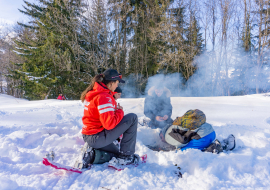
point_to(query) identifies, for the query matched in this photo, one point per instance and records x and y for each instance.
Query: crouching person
(158, 107)
(118, 93)
(192, 131)
(104, 122)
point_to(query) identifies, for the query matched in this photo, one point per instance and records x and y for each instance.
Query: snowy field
(29, 129)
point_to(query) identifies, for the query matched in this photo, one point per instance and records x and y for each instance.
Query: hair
(98, 78)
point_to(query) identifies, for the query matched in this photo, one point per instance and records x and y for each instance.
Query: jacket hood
(97, 89)
(151, 91)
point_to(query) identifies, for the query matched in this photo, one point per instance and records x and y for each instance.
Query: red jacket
(100, 110)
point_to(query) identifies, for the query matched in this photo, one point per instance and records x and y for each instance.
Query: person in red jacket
(104, 121)
(61, 97)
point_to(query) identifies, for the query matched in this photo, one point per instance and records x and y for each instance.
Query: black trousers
(104, 139)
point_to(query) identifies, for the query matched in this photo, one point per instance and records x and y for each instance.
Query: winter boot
(102, 156)
(214, 147)
(86, 158)
(229, 143)
(218, 147)
(91, 156)
(128, 159)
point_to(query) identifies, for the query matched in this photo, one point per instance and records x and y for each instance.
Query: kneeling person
(104, 122)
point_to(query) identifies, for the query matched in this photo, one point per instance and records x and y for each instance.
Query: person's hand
(162, 137)
(165, 117)
(159, 118)
(119, 107)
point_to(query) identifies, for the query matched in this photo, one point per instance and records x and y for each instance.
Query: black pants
(104, 139)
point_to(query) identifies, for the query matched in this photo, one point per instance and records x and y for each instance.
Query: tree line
(218, 47)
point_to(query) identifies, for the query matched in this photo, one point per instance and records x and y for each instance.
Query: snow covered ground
(29, 129)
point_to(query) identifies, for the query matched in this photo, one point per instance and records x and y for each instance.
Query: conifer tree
(54, 54)
(97, 35)
(120, 15)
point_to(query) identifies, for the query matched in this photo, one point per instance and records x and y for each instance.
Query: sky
(9, 13)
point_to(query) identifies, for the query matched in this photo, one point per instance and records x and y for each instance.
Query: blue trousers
(201, 143)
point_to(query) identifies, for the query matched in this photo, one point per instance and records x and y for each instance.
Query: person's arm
(109, 115)
(148, 112)
(167, 110)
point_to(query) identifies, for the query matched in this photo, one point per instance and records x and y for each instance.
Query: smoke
(218, 74)
(137, 86)
(133, 86)
(173, 81)
(233, 73)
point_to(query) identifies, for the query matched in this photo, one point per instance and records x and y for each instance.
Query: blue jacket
(157, 106)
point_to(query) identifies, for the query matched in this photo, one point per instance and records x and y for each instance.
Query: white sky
(9, 13)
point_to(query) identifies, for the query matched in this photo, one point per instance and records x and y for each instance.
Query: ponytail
(98, 78)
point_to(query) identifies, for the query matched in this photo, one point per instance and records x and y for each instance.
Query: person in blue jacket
(158, 107)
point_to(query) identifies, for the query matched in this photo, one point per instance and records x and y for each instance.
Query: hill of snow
(29, 129)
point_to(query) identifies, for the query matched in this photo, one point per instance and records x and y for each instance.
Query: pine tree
(147, 41)
(120, 14)
(97, 25)
(185, 42)
(54, 54)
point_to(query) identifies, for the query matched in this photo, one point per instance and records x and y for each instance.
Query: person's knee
(133, 116)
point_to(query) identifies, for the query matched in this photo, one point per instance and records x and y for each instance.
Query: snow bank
(29, 129)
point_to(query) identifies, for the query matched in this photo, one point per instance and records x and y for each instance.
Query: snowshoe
(49, 161)
(128, 159)
(127, 162)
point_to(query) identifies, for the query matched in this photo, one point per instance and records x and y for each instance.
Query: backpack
(192, 119)
(185, 128)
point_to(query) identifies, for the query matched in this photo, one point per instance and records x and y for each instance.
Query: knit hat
(118, 90)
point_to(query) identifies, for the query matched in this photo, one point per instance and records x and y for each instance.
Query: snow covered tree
(54, 53)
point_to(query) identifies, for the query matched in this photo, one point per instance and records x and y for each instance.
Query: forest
(200, 47)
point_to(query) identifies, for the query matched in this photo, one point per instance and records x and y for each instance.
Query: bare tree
(8, 61)
(263, 38)
(226, 7)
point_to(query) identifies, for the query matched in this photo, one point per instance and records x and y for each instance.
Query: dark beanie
(118, 90)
